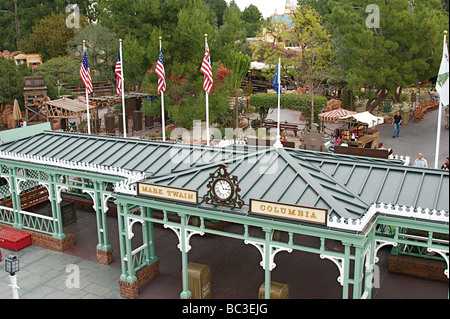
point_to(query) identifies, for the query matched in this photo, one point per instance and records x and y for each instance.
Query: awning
(258, 66)
(365, 117)
(332, 115)
(65, 108)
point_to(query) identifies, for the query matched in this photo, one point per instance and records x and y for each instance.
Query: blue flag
(276, 85)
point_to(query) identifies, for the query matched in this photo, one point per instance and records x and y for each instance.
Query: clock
(223, 189)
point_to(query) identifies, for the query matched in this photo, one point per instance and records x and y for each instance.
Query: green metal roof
(345, 185)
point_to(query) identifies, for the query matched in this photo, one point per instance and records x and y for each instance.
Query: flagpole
(87, 98)
(163, 119)
(123, 91)
(438, 136)
(278, 141)
(207, 104)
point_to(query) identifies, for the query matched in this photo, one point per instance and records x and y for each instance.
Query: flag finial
(120, 40)
(445, 32)
(160, 38)
(206, 35)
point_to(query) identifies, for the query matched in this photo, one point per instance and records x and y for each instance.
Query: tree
(316, 53)
(63, 70)
(49, 37)
(17, 18)
(402, 50)
(239, 64)
(253, 20)
(12, 81)
(101, 47)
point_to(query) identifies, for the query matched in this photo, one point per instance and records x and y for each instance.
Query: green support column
(346, 279)
(358, 273)
(267, 271)
(56, 209)
(15, 197)
(102, 224)
(129, 250)
(147, 234)
(185, 294)
(370, 271)
(122, 235)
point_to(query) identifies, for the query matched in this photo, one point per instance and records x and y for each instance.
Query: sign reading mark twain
(168, 193)
(291, 212)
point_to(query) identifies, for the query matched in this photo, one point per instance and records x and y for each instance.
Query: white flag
(442, 83)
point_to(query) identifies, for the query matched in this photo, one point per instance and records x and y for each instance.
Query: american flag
(207, 71)
(161, 73)
(85, 74)
(118, 73)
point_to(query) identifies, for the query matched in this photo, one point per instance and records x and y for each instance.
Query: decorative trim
(443, 253)
(388, 209)
(340, 263)
(188, 234)
(59, 189)
(130, 225)
(91, 193)
(381, 243)
(274, 250)
(105, 198)
(101, 169)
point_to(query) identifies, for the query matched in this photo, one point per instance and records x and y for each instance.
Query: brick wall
(418, 267)
(46, 241)
(146, 274)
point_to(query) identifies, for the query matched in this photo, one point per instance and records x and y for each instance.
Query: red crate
(14, 239)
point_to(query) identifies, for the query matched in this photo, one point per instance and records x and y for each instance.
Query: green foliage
(406, 48)
(63, 69)
(49, 37)
(101, 47)
(264, 102)
(12, 81)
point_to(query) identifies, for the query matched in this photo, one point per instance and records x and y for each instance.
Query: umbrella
(17, 114)
(331, 116)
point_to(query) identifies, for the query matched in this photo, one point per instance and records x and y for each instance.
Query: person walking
(420, 162)
(398, 119)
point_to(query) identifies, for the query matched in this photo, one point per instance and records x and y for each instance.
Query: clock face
(222, 189)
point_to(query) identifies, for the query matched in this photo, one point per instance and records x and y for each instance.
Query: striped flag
(85, 74)
(118, 73)
(207, 71)
(161, 73)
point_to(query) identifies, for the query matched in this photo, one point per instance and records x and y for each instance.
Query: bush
(264, 102)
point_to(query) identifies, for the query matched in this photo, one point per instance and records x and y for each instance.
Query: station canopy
(346, 186)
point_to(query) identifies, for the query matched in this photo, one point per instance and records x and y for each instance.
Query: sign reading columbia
(168, 193)
(292, 212)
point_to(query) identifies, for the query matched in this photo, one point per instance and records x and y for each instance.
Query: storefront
(362, 203)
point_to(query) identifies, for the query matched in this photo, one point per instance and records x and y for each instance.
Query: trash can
(137, 121)
(199, 281)
(406, 117)
(110, 123)
(149, 121)
(277, 291)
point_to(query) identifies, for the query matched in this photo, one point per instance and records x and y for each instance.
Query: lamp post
(11, 267)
